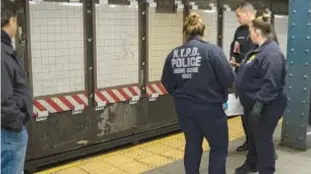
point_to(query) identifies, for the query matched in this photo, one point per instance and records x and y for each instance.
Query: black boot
(242, 148)
(246, 169)
(275, 156)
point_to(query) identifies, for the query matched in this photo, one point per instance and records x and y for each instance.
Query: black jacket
(198, 72)
(262, 75)
(16, 99)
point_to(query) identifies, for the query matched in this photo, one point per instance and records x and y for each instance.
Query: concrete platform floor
(289, 161)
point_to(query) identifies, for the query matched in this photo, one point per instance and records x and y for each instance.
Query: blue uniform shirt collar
(196, 37)
(261, 47)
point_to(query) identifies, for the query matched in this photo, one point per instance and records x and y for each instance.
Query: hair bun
(194, 19)
(264, 15)
(264, 18)
(193, 25)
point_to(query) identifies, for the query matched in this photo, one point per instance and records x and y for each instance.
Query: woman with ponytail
(197, 75)
(265, 15)
(260, 85)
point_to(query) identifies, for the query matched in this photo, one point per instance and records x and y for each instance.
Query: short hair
(193, 25)
(8, 10)
(246, 6)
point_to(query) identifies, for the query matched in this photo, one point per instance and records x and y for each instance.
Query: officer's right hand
(234, 63)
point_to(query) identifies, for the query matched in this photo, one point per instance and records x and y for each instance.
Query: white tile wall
(117, 45)
(165, 33)
(57, 47)
(210, 20)
(281, 27)
(230, 24)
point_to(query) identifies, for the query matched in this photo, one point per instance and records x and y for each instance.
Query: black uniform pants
(261, 147)
(209, 123)
(244, 118)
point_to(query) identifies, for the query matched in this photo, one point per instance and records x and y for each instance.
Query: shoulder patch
(252, 58)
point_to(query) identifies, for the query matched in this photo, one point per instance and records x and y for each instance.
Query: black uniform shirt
(241, 43)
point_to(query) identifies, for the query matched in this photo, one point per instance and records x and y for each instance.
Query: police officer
(197, 75)
(260, 86)
(240, 46)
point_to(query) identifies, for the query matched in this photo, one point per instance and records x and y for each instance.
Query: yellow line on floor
(139, 158)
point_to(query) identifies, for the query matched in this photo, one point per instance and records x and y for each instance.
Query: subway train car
(94, 68)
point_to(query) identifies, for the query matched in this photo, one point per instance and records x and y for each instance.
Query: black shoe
(275, 156)
(245, 169)
(242, 148)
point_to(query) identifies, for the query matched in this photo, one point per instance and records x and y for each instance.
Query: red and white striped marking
(59, 104)
(117, 95)
(156, 88)
(67, 103)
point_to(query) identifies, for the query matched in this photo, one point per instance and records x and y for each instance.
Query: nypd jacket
(262, 75)
(197, 72)
(16, 100)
